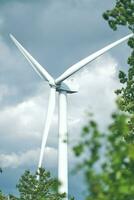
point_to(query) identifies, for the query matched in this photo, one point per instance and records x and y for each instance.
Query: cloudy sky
(58, 34)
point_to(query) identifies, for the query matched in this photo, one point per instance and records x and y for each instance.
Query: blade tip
(11, 36)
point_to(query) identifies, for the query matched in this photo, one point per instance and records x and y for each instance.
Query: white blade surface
(50, 111)
(36, 66)
(88, 59)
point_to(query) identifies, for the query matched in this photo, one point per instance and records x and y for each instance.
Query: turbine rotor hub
(70, 86)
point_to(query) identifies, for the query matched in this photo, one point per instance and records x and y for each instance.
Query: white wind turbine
(63, 88)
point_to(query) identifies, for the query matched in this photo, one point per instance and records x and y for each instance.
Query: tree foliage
(44, 188)
(108, 164)
(2, 196)
(32, 188)
(107, 159)
(123, 14)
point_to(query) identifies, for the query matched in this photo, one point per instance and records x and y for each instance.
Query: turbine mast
(63, 144)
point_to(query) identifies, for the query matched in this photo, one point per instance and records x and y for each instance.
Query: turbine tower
(63, 88)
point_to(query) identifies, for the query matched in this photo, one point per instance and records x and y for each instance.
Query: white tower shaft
(63, 150)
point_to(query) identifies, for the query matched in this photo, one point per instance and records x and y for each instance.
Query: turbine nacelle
(69, 86)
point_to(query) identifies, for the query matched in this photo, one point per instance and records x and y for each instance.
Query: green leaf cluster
(38, 186)
(107, 160)
(2, 196)
(123, 14)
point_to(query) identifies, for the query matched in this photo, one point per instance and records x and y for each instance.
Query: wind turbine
(63, 88)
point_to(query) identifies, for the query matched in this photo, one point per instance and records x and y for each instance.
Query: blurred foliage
(107, 160)
(2, 196)
(123, 15)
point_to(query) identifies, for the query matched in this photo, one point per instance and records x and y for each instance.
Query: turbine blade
(36, 66)
(88, 59)
(50, 111)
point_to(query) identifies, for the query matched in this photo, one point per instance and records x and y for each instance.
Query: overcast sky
(58, 34)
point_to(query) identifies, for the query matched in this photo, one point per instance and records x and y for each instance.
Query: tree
(2, 196)
(31, 188)
(123, 14)
(108, 158)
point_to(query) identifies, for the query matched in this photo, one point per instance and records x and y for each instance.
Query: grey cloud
(62, 31)
(57, 33)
